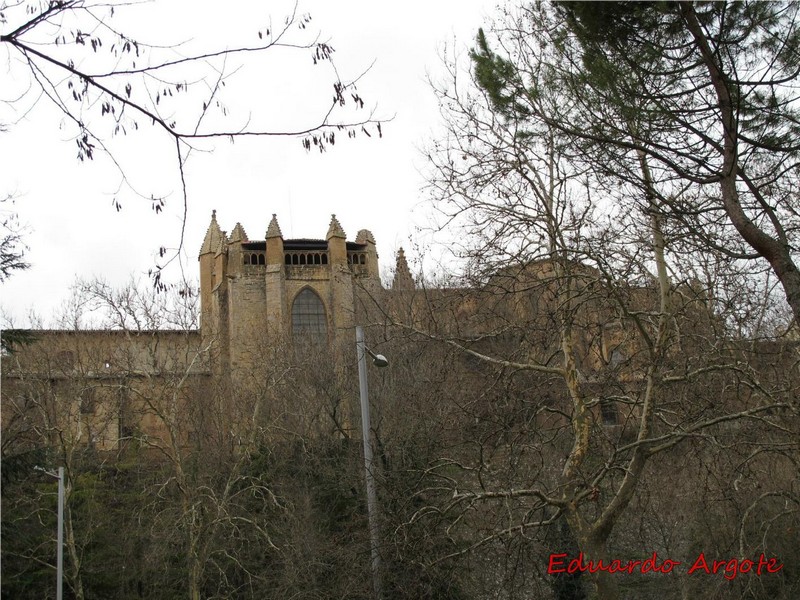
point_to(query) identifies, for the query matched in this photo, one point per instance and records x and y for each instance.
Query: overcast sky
(73, 230)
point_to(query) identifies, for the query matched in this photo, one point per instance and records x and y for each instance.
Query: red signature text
(728, 568)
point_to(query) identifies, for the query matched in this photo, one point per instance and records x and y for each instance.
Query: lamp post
(60, 549)
(372, 502)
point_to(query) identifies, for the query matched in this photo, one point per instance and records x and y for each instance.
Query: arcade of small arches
(356, 258)
(254, 258)
(304, 258)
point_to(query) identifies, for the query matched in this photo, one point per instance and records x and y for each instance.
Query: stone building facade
(274, 304)
(257, 295)
(259, 299)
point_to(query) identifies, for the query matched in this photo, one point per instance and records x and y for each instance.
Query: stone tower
(260, 296)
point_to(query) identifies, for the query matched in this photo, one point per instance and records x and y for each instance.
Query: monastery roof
(262, 245)
(304, 241)
(125, 332)
(300, 244)
(215, 239)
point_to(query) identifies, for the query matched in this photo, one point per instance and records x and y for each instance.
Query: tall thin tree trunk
(776, 250)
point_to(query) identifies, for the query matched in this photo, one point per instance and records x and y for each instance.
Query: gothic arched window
(308, 316)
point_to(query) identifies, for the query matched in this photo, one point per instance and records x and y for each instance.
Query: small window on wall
(308, 317)
(608, 410)
(88, 401)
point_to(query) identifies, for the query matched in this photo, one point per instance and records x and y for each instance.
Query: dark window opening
(306, 258)
(608, 410)
(88, 403)
(356, 258)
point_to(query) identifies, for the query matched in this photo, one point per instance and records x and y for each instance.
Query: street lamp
(60, 550)
(372, 502)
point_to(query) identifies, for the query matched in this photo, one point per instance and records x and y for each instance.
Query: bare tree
(12, 258)
(585, 301)
(246, 489)
(12, 250)
(711, 88)
(78, 56)
(58, 408)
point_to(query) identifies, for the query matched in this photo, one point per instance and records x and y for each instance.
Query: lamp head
(379, 360)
